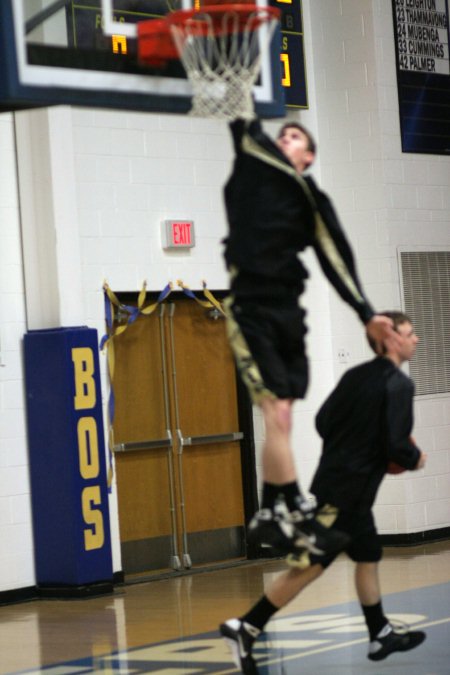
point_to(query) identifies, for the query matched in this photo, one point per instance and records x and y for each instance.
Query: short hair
(398, 318)
(312, 145)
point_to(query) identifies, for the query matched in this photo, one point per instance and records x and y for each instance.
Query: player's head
(296, 142)
(403, 350)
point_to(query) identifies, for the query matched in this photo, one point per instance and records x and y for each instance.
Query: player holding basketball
(274, 213)
(365, 423)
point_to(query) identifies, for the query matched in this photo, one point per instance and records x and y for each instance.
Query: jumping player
(365, 423)
(274, 213)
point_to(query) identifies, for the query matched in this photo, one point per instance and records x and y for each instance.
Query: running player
(365, 423)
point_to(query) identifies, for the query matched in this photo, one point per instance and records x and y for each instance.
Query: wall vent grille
(426, 293)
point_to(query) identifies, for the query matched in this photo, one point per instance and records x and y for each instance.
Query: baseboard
(61, 592)
(18, 595)
(416, 538)
(70, 592)
(118, 578)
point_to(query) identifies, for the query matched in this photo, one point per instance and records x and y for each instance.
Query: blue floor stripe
(329, 640)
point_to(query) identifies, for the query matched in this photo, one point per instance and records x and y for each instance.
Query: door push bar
(210, 438)
(145, 445)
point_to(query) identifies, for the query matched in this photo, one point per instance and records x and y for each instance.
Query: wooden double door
(178, 442)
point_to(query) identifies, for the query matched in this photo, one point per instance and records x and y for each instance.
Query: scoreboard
(423, 74)
(85, 31)
(293, 68)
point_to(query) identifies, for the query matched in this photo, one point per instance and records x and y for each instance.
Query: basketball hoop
(155, 44)
(220, 47)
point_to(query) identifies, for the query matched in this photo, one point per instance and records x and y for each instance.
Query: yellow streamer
(207, 304)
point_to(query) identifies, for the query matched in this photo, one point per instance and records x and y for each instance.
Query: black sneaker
(394, 638)
(273, 528)
(312, 535)
(240, 637)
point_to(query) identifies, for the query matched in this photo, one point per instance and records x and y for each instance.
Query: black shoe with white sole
(294, 531)
(312, 536)
(317, 539)
(240, 637)
(394, 638)
(273, 527)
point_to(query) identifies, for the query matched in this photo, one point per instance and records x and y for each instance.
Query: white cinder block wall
(16, 550)
(387, 200)
(125, 172)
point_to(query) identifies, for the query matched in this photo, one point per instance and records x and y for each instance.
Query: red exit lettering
(181, 234)
(177, 233)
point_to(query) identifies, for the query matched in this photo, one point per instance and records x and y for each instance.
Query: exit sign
(178, 234)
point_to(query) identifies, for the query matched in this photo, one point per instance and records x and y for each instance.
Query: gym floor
(169, 625)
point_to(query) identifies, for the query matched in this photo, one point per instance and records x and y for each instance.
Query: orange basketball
(394, 468)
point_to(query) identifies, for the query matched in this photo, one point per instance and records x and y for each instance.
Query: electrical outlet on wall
(343, 356)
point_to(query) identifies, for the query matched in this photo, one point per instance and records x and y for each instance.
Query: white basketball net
(223, 68)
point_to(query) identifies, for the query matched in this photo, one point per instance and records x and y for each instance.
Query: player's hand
(381, 329)
(421, 461)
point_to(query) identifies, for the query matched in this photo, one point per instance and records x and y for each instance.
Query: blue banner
(67, 457)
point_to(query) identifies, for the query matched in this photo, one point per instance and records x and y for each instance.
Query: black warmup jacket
(273, 214)
(365, 422)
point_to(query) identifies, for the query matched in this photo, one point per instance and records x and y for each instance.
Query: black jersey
(273, 215)
(365, 422)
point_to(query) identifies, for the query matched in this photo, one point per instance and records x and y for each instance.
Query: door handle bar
(209, 438)
(145, 445)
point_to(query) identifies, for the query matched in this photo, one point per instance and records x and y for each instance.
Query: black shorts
(267, 339)
(365, 544)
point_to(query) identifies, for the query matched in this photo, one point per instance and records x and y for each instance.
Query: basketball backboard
(72, 52)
